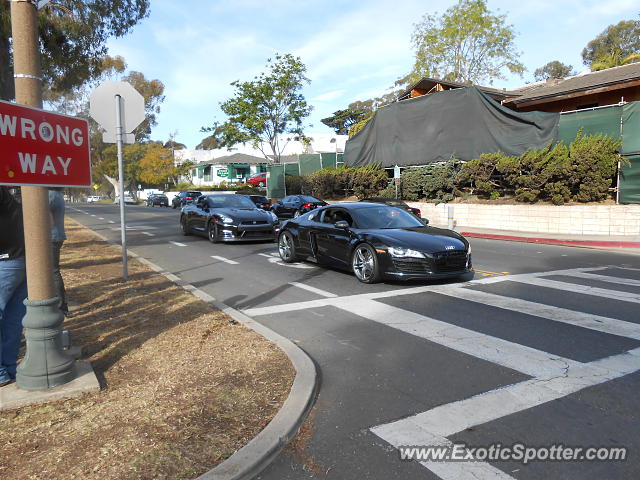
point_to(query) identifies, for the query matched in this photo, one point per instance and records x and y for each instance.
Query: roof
(235, 158)
(427, 83)
(585, 81)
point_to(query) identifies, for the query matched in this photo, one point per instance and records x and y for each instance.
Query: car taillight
(417, 211)
(187, 198)
(308, 205)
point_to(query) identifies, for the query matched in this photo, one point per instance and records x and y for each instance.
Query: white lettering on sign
(43, 131)
(29, 163)
(28, 126)
(7, 122)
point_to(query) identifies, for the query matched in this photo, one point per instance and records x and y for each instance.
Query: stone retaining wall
(574, 219)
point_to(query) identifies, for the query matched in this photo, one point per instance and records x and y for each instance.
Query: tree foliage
(267, 107)
(342, 120)
(73, 35)
(554, 69)
(617, 45)
(466, 44)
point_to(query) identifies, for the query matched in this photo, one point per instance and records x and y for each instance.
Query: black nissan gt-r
(376, 242)
(228, 218)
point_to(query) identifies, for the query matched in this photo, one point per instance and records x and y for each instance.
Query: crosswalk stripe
(605, 278)
(576, 288)
(496, 350)
(431, 427)
(177, 244)
(557, 314)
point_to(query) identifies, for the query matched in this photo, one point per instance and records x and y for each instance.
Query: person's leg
(13, 291)
(57, 277)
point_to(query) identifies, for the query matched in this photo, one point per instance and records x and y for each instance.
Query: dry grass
(182, 387)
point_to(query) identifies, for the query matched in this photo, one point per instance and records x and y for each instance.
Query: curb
(553, 241)
(256, 455)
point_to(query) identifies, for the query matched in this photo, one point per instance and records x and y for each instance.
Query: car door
(288, 205)
(333, 243)
(198, 214)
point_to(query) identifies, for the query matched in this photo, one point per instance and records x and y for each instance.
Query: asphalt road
(540, 348)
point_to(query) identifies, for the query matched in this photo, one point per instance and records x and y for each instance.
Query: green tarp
(275, 180)
(631, 128)
(630, 180)
(309, 163)
(462, 123)
(603, 120)
(328, 160)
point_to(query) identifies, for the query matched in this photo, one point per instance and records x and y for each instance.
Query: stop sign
(102, 109)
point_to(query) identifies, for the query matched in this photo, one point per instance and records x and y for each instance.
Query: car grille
(256, 233)
(442, 262)
(255, 222)
(411, 265)
(450, 261)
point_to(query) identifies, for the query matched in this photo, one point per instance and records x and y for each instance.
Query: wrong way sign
(43, 148)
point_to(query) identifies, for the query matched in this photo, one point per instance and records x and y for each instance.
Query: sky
(353, 50)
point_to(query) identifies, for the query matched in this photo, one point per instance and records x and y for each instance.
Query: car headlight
(225, 219)
(404, 252)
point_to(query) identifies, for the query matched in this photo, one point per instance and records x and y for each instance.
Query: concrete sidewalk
(618, 242)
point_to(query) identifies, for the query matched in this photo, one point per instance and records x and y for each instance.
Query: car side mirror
(425, 221)
(342, 224)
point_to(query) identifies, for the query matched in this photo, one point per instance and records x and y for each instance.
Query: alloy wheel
(364, 264)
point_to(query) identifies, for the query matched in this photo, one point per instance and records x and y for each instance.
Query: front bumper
(247, 233)
(437, 265)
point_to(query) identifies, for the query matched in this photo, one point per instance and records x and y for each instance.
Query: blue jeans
(13, 291)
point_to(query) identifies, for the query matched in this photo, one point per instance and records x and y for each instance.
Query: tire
(183, 224)
(212, 233)
(287, 248)
(364, 264)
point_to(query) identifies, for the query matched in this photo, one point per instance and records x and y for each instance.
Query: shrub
(594, 163)
(367, 181)
(440, 185)
(412, 182)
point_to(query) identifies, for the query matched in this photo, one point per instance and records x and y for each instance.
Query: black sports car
(394, 203)
(295, 205)
(375, 241)
(227, 218)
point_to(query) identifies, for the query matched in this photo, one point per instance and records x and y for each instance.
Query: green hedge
(335, 182)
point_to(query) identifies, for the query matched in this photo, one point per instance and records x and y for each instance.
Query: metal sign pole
(123, 223)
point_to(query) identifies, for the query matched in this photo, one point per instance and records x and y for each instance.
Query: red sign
(43, 148)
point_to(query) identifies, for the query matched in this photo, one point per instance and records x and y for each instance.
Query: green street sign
(223, 172)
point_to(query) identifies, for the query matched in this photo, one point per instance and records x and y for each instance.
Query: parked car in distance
(157, 199)
(394, 203)
(375, 242)
(184, 197)
(258, 179)
(292, 206)
(93, 198)
(260, 201)
(228, 218)
(127, 199)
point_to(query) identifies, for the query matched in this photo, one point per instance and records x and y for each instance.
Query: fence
(306, 164)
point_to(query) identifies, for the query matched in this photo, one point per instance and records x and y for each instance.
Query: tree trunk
(116, 186)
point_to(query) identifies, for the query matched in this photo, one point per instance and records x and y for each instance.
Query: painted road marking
(309, 288)
(575, 288)
(93, 215)
(605, 278)
(225, 260)
(521, 358)
(275, 258)
(431, 427)
(111, 221)
(488, 273)
(100, 218)
(557, 314)
(177, 244)
(149, 234)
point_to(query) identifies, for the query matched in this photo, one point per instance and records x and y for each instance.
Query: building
(612, 86)
(235, 164)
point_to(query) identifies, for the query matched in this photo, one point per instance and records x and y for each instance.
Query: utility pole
(45, 365)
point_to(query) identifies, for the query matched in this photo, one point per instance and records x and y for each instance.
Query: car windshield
(257, 198)
(307, 198)
(384, 217)
(229, 201)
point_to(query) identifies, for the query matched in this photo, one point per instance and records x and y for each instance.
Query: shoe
(5, 381)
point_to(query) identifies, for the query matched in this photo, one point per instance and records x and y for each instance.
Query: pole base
(46, 364)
